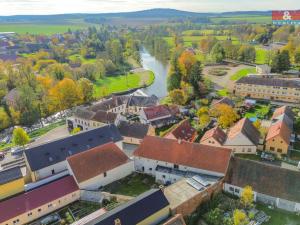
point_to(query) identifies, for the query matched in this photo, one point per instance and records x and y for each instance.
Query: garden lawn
(46, 129)
(242, 73)
(261, 55)
(132, 185)
(279, 217)
(259, 111)
(120, 83)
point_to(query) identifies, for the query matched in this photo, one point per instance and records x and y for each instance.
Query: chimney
(179, 141)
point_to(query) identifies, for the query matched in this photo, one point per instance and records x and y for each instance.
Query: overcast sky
(32, 7)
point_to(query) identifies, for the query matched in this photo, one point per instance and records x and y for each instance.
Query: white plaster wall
(111, 176)
(47, 171)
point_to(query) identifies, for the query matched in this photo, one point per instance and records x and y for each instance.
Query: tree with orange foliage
(186, 61)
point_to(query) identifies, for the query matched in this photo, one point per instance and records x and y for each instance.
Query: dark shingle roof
(135, 130)
(143, 101)
(265, 179)
(10, 175)
(269, 82)
(57, 151)
(136, 210)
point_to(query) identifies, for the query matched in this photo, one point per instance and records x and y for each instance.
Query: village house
(273, 89)
(183, 131)
(86, 119)
(52, 156)
(11, 182)
(242, 138)
(134, 132)
(41, 201)
(214, 137)
(99, 166)
(159, 116)
(151, 207)
(272, 185)
(170, 160)
(279, 134)
(225, 100)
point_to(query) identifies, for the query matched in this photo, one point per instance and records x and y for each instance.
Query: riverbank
(123, 83)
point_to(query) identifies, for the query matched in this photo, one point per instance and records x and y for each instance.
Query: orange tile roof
(245, 127)
(283, 110)
(184, 153)
(217, 133)
(279, 129)
(184, 131)
(96, 161)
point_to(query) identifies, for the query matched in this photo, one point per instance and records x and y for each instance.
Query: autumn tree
(239, 218)
(218, 53)
(177, 96)
(186, 62)
(4, 119)
(247, 196)
(87, 89)
(225, 115)
(65, 94)
(20, 137)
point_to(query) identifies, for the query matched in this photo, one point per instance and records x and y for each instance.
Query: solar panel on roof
(200, 180)
(195, 184)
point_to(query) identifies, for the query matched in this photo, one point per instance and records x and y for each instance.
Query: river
(159, 87)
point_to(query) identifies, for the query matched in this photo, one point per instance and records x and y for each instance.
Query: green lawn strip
(259, 111)
(120, 83)
(242, 73)
(279, 217)
(132, 185)
(83, 60)
(223, 92)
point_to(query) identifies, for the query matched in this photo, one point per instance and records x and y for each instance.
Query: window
(249, 149)
(16, 221)
(50, 205)
(150, 169)
(105, 174)
(39, 210)
(279, 150)
(164, 176)
(53, 171)
(29, 214)
(231, 189)
(176, 166)
(237, 190)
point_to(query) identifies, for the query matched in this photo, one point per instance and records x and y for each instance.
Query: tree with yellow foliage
(247, 196)
(225, 115)
(239, 217)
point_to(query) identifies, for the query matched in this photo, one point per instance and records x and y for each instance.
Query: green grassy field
(46, 29)
(242, 73)
(243, 18)
(120, 83)
(223, 92)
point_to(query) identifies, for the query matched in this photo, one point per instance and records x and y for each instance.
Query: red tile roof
(279, 129)
(184, 131)
(38, 197)
(283, 110)
(217, 133)
(185, 153)
(96, 161)
(157, 112)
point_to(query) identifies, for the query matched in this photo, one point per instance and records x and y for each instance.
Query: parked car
(267, 156)
(16, 150)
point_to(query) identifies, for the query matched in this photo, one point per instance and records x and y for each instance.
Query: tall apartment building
(257, 87)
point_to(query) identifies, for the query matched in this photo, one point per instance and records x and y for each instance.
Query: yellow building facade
(11, 188)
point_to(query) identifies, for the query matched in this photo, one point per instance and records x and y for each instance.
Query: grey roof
(99, 116)
(10, 175)
(135, 130)
(57, 151)
(108, 104)
(264, 178)
(136, 210)
(143, 101)
(84, 113)
(256, 80)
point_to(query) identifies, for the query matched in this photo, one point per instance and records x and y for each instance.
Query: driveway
(221, 82)
(57, 133)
